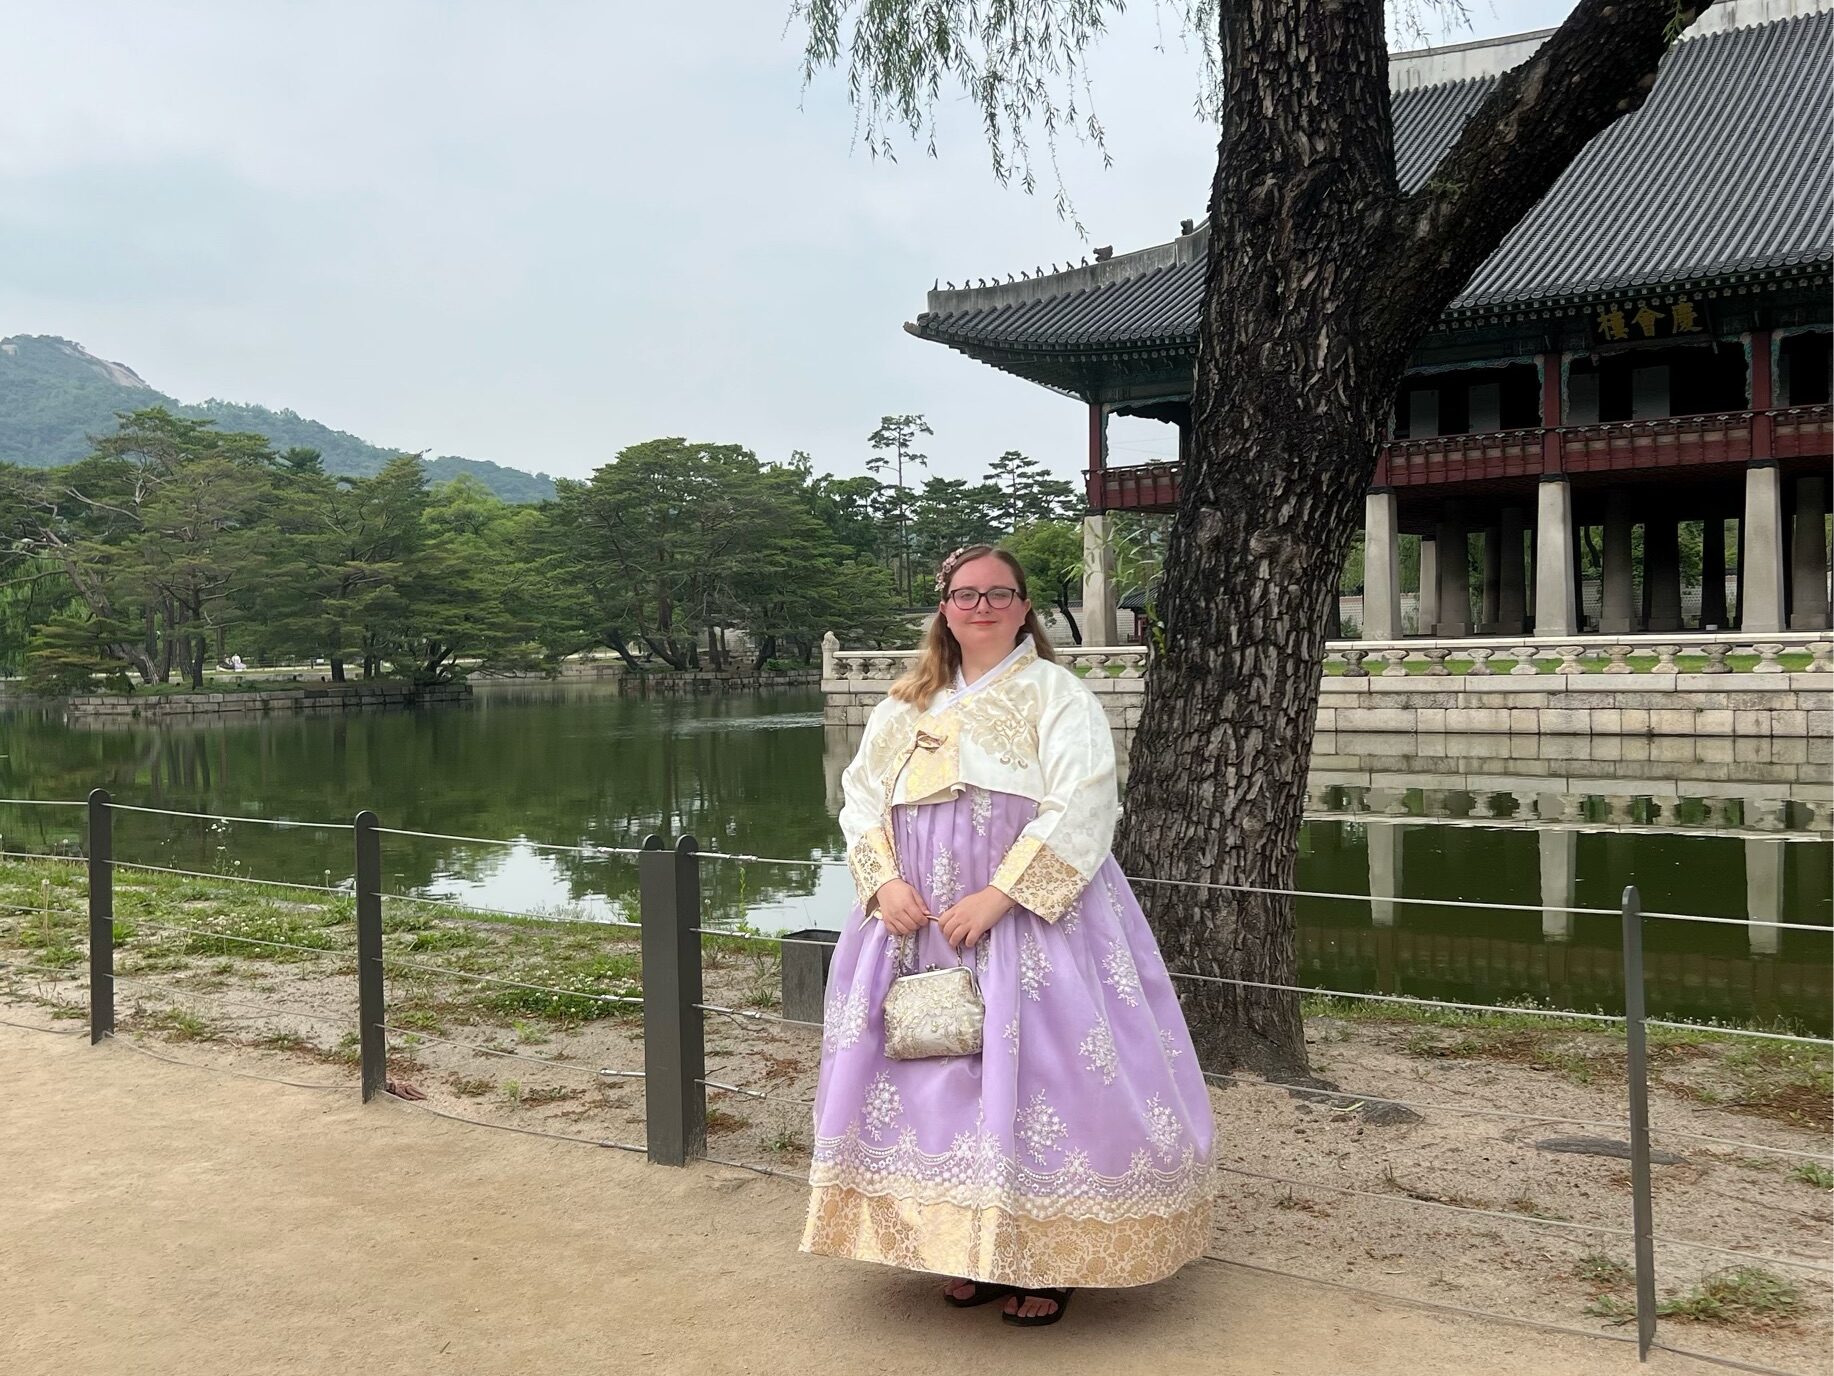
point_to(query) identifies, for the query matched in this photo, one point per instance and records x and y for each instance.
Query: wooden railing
(1612, 446)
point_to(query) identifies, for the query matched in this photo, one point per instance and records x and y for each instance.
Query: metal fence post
(101, 917)
(1637, 1068)
(674, 1040)
(374, 1040)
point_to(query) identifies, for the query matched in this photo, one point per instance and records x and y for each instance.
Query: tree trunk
(337, 668)
(614, 638)
(1063, 606)
(1322, 279)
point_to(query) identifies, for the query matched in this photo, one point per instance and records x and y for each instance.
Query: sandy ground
(160, 1218)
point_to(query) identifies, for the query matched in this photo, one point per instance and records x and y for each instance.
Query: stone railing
(1522, 655)
(1618, 686)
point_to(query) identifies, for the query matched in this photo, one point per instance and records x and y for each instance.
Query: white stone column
(1808, 552)
(1384, 841)
(1617, 610)
(1764, 891)
(1428, 614)
(1381, 568)
(1100, 615)
(1760, 603)
(1556, 590)
(1559, 857)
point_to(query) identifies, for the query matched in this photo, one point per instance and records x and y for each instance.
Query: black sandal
(984, 1292)
(1060, 1297)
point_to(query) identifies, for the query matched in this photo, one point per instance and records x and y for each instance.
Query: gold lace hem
(995, 1245)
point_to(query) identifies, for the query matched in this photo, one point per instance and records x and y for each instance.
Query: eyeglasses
(967, 599)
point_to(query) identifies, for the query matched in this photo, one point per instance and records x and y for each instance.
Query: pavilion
(1651, 346)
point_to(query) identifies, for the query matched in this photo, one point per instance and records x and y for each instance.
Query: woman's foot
(963, 1293)
(1034, 1307)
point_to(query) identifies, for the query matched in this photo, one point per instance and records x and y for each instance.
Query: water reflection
(1556, 824)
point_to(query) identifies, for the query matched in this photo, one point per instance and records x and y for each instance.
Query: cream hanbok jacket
(1027, 727)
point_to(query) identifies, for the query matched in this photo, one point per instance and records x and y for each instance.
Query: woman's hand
(966, 922)
(901, 907)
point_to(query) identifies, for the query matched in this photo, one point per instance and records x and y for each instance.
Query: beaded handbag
(937, 1011)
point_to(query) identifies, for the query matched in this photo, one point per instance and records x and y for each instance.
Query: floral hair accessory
(953, 558)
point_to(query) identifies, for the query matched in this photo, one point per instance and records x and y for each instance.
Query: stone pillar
(1556, 590)
(1760, 602)
(1429, 587)
(1661, 573)
(1617, 595)
(1384, 841)
(1512, 592)
(1454, 574)
(1764, 891)
(1559, 854)
(1492, 609)
(1381, 568)
(1099, 611)
(1808, 607)
(1713, 573)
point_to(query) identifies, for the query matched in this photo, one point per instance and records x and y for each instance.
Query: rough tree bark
(1322, 279)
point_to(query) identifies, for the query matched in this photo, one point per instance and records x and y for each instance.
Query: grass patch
(781, 1143)
(445, 939)
(1747, 1297)
(1811, 1174)
(180, 1024)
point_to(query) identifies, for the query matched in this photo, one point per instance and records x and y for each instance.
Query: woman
(1075, 1148)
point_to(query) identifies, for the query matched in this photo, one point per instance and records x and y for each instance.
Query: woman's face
(983, 626)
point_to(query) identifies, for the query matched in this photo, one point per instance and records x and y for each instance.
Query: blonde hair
(940, 654)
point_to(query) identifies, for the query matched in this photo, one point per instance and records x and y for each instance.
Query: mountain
(55, 394)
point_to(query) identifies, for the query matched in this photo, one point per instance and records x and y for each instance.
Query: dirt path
(157, 1218)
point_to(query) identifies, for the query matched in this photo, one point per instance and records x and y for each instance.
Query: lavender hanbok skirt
(1075, 1149)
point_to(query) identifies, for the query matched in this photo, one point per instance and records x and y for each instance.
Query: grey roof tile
(1723, 171)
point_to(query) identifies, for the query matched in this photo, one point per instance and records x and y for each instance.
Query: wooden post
(373, 1040)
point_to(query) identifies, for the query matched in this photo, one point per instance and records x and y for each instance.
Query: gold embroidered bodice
(1033, 729)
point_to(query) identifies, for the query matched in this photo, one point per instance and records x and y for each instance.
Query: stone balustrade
(1660, 685)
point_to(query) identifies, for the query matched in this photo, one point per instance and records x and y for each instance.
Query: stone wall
(316, 697)
(1797, 706)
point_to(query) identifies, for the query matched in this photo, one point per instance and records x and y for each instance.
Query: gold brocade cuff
(872, 863)
(1034, 876)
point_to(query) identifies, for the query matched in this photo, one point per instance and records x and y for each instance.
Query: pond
(1543, 823)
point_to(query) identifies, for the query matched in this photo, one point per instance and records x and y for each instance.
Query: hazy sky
(538, 230)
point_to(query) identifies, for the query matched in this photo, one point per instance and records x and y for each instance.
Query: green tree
(893, 446)
(1322, 277)
(1028, 492)
(946, 514)
(1051, 553)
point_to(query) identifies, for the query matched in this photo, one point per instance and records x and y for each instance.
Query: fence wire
(511, 841)
(461, 907)
(588, 1071)
(210, 996)
(508, 1127)
(226, 817)
(756, 1093)
(209, 935)
(1397, 1198)
(399, 963)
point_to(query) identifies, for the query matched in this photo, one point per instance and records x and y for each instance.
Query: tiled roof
(1722, 174)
